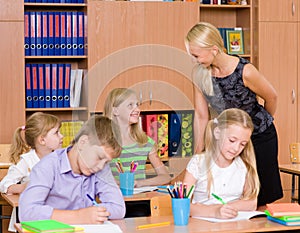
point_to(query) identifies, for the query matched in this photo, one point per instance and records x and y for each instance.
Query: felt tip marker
(218, 198)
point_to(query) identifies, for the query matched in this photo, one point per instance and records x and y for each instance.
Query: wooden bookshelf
(76, 61)
(232, 16)
(162, 80)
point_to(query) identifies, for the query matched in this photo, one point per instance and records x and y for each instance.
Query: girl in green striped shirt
(122, 106)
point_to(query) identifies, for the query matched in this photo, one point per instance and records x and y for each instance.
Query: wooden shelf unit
(279, 53)
(232, 16)
(76, 61)
(131, 44)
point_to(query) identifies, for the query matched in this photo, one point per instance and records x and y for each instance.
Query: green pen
(218, 198)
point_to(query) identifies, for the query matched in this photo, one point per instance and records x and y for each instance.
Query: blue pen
(93, 200)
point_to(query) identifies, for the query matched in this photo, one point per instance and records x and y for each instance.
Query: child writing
(39, 137)
(121, 105)
(60, 182)
(226, 168)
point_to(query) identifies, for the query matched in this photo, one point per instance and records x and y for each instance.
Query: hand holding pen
(94, 215)
(226, 211)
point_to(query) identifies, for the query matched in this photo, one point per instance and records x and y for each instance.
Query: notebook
(107, 227)
(242, 215)
(48, 226)
(144, 189)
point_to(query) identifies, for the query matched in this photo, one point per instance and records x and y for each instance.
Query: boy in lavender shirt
(60, 182)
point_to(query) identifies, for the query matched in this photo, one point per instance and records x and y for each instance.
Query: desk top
(5, 165)
(13, 200)
(290, 168)
(260, 224)
(144, 196)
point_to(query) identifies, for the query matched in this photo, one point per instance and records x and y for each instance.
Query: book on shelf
(28, 86)
(283, 209)
(172, 131)
(48, 85)
(27, 33)
(149, 124)
(41, 92)
(174, 134)
(48, 226)
(162, 135)
(187, 134)
(35, 87)
(69, 129)
(76, 77)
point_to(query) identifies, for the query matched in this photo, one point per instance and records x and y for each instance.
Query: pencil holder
(181, 211)
(126, 183)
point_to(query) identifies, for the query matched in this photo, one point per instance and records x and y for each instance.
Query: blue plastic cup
(181, 211)
(126, 183)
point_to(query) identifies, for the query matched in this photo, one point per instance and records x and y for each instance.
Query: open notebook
(242, 215)
(107, 227)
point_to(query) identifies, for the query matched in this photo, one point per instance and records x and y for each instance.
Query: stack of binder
(284, 213)
(55, 1)
(47, 85)
(55, 33)
(173, 132)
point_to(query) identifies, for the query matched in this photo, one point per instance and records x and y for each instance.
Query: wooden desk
(195, 225)
(159, 203)
(5, 165)
(12, 200)
(293, 169)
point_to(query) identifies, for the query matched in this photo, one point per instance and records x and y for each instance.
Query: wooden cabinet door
(297, 93)
(11, 10)
(132, 44)
(12, 94)
(278, 10)
(278, 42)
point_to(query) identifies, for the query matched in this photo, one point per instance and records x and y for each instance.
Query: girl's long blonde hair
(233, 116)
(204, 35)
(24, 138)
(114, 99)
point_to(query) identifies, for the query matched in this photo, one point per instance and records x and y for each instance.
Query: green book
(48, 225)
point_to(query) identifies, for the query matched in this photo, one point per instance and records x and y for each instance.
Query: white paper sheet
(107, 227)
(242, 215)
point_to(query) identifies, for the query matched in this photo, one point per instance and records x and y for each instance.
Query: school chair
(4, 148)
(295, 158)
